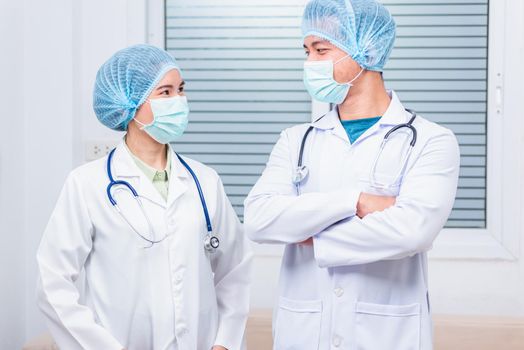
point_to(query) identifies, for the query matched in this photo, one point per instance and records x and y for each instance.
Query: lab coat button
(336, 341)
(339, 292)
(181, 331)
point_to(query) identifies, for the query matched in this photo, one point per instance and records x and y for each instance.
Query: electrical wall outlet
(98, 149)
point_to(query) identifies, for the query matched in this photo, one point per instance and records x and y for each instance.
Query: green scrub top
(160, 179)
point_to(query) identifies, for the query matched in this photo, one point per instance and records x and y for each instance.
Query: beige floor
(451, 333)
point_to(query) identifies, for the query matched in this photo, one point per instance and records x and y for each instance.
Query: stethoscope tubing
(302, 171)
(112, 182)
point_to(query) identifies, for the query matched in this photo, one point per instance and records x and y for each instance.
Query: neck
(146, 148)
(368, 98)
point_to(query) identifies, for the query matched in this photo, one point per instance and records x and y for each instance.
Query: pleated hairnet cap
(124, 82)
(364, 29)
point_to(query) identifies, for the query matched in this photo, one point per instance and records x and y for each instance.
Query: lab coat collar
(394, 115)
(122, 164)
(124, 167)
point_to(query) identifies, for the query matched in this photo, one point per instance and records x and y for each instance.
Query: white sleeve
(274, 213)
(232, 267)
(65, 246)
(424, 203)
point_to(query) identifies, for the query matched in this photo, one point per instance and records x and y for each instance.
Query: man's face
(318, 49)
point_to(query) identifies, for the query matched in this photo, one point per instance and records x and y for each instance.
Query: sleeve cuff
(230, 338)
(349, 198)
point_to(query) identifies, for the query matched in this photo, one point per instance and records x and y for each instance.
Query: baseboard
(451, 332)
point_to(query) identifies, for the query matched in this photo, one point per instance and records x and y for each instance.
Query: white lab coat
(363, 283)
(174, 295)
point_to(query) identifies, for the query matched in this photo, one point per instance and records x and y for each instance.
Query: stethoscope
(211, 242)
(302, 171)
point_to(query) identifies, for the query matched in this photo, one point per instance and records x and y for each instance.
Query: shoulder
(85, 179)
(291, 137)
(428, 131)
(436, 139)
(296, 131)
(90, 172)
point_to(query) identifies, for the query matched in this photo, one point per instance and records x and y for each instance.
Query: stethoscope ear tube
(302, 146)
(301, 171)
(408, 125)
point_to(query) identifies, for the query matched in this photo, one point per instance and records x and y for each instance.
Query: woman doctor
(154, 277)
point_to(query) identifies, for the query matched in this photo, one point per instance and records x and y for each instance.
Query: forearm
(394, 233)
(275, 218)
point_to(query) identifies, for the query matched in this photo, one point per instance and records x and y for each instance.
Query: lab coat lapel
(331, 122)
(178, 179)
(126, 169)
(395, 114)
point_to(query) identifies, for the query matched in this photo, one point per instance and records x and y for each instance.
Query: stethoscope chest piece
(211, 243)
(300, 174)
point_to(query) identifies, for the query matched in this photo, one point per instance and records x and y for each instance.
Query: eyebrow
(315, 43)
(169, 86)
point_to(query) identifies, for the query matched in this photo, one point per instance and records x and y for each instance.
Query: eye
(321, 51)
(181, 89)
(306, 53)
(165, 92)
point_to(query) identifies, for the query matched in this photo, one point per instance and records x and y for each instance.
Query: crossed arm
(349, 227)
(367, 204)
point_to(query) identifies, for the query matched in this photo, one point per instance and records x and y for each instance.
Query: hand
(369, 203)
(308, 241)
(218, 347)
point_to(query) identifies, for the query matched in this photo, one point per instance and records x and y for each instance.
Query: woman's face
(171, 85)
(318, 49)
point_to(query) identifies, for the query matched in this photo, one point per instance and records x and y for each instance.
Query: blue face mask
(321, 84)
(170, 119)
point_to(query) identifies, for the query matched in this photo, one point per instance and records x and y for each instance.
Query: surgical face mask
(321, 84)
(170, 119)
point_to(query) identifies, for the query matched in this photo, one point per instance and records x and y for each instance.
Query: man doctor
(358, 223)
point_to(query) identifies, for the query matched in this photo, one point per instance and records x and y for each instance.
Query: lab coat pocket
(297, 324)
(379, 327)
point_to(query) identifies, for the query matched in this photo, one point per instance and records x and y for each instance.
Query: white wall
(496, 286)
(12, 171)
(65, 42)
(49, 130)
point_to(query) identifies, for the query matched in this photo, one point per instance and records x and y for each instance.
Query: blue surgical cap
(364, 29)
(124, 82)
